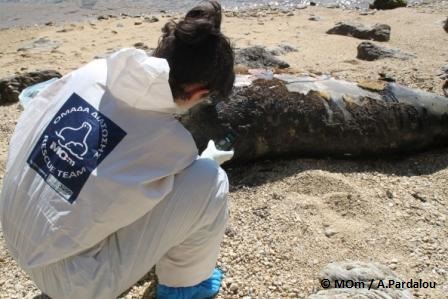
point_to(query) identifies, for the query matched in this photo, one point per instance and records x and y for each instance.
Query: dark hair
(197, 51)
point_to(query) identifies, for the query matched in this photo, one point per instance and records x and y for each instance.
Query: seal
(292, 115)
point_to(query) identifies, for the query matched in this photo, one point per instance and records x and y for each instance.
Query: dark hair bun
(197, 52)
(200, 23)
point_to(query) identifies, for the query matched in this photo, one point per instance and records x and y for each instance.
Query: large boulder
(388, 4)
(378, 32)
(258, 57)
(11, 87)
(369, 51)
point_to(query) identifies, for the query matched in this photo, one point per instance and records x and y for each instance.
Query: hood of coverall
(141, 81)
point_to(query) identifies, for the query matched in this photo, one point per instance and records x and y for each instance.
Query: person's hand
(211, 152)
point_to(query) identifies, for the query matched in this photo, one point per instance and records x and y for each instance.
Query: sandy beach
(393, 212)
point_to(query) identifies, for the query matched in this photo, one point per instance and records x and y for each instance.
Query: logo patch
(74, 143)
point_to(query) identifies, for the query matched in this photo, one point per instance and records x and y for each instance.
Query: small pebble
(234, 287)
(329, 232)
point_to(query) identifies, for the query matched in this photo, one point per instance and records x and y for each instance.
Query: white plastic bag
(30, 92)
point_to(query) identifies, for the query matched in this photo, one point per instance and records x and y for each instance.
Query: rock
(444, 73)
(445, 88)
(99, 18)
(65, 30)
(418, 196)
(230, 232)
(40, 45)
(282, 49)
(387, 77)
(49, 24)
(234, 287)
(378, 32)
(369, 51)
(389, 194)
(105, 54)
(445, 69)
(445, 26)
(141, 45)
(151, 19)
(315, 18)
(258, 57)
(362, 274)
(388, 4)
(11, 87)
(137, 23)
(329, 232)
(262, 212)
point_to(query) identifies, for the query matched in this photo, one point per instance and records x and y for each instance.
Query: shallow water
(29, 12)
(181, 5)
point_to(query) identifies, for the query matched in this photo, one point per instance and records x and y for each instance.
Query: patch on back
(75, 142)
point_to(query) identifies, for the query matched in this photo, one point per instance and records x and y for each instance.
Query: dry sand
(290, 218)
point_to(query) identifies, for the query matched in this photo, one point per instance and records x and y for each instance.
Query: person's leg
(193, 260)
(181, 234)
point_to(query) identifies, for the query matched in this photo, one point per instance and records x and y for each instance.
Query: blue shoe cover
(204, 290)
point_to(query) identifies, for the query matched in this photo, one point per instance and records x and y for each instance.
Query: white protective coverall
(102, 183)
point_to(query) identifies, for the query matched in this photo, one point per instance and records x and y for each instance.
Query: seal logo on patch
(74, 143)
(69, 139)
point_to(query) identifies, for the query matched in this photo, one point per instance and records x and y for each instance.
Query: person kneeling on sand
(102, 182)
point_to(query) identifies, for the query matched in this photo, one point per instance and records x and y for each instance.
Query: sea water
(29, 12)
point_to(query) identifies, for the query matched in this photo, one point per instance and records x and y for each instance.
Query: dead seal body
(292, 115)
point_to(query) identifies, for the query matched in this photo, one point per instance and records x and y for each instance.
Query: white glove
(211, 152)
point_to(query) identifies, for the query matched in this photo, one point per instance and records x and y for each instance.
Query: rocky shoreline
(35, 14)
